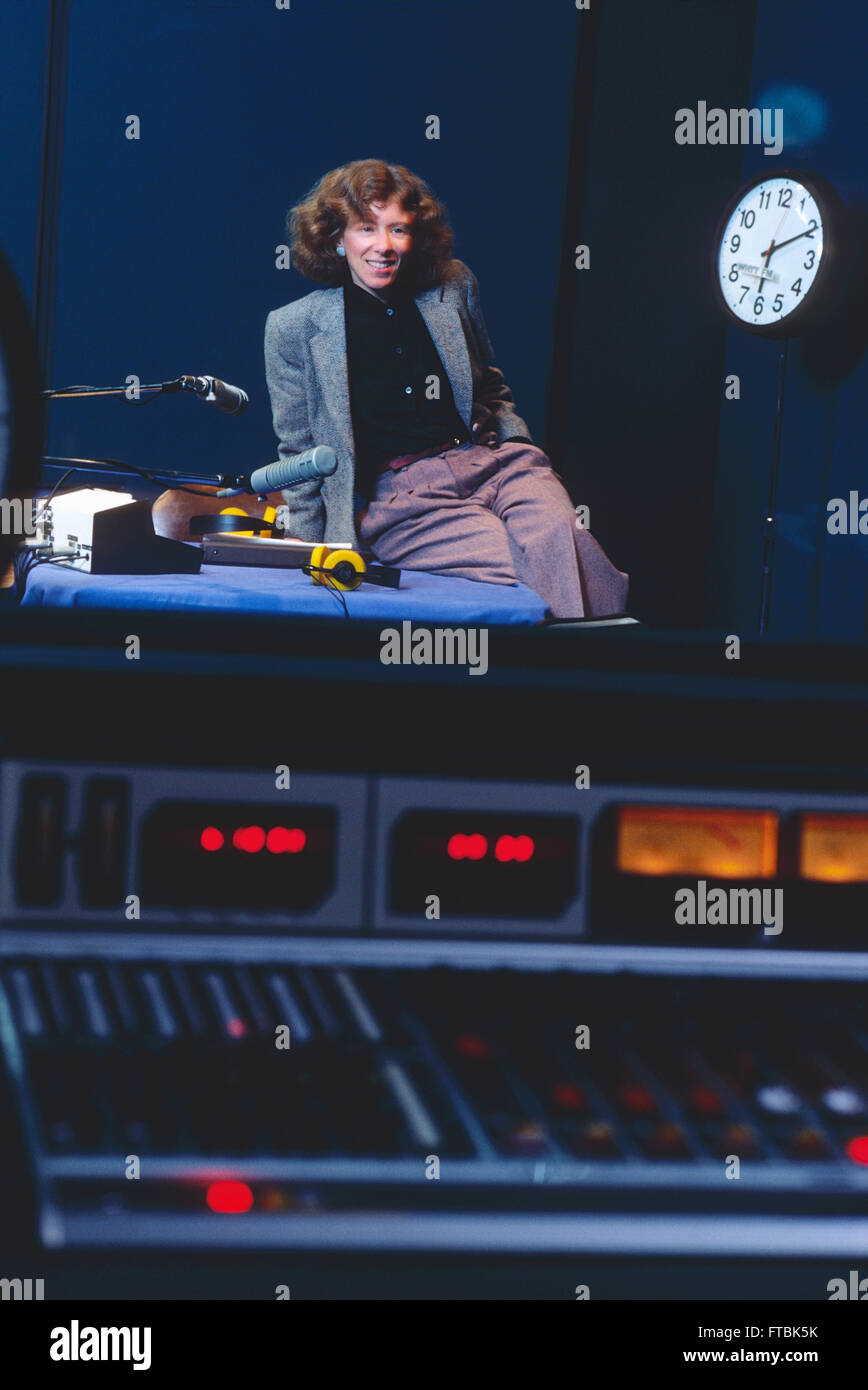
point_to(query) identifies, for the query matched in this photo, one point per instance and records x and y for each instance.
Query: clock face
(770, 253)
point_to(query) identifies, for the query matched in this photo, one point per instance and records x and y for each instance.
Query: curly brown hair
(318, 220)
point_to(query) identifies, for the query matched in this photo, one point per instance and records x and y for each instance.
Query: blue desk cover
(425, 598)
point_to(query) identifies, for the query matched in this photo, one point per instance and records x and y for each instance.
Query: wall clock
(775, 253)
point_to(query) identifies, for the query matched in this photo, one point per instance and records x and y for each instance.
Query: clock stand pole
(770, 520)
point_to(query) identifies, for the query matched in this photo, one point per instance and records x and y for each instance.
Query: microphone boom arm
(170, 476)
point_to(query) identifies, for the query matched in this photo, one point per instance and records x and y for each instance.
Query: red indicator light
(250, 838)
(283, 841)
(211, 838)
(517, 847)
(857, 1149)
(229, 1197)
(706, 1100)
(637, 1099)
(467, 847)
(469, 1045)
(566, 1096)
(236, 1028)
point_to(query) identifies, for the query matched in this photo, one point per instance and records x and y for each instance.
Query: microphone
(231, 400)
(318, 462)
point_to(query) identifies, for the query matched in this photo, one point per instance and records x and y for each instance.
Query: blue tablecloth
(427, 598)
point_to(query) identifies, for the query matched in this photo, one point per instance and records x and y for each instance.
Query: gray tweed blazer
(306, 371)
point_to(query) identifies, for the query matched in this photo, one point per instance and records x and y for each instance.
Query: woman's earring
(340, 250)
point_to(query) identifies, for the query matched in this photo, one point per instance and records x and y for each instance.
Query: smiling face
(377, 247)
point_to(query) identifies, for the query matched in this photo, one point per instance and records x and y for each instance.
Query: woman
(391, 366)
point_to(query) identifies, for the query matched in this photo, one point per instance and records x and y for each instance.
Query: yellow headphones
(339, 569)
(270, 515)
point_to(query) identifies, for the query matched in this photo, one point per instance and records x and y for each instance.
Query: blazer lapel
(444, 325)
(329, 352)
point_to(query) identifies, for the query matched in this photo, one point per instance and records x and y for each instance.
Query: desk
(423, 598)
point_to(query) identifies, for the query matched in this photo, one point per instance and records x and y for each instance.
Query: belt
(403, 459)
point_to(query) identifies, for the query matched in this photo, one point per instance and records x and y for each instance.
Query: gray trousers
(495, 514)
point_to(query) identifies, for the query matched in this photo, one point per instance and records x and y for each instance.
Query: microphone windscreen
(318, 462)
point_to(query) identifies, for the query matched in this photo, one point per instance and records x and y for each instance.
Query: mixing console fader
(462, 1106)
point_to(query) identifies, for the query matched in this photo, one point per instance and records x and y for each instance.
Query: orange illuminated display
(660, 841)
(834, 848)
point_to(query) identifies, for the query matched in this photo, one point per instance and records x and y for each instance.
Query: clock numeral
(809, 263)
(785, 197)
(758, 304)
(765, 199)
(744, 291)
(748, 217)
(734, 241)
(797, 285)
(777, 304)
(733, 274)
(802, 202)
(813, 227)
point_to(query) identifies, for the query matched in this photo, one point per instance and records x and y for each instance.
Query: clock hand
(789, 239)
(767, 255)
